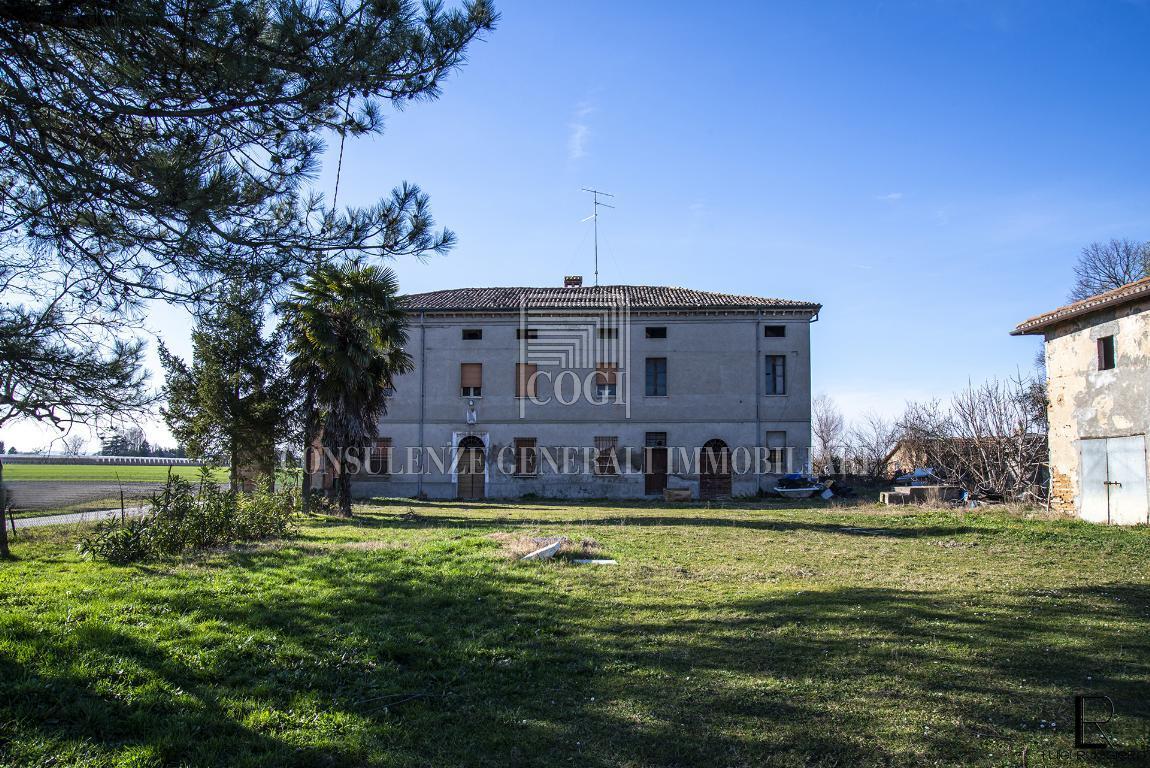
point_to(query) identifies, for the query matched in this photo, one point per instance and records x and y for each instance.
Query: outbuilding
(1098, 385)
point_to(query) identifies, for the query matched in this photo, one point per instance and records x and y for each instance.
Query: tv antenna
(595, 217)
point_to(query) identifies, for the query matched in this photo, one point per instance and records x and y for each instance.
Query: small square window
(656, 331)
(608, 333)
(472, 334)
(527, 333)
(774, 331)
(1106, 358)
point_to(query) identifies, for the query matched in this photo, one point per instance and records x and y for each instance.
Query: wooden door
(715, 470)
(469, 473)
(655, 463)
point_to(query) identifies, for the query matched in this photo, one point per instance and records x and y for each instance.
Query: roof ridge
(1112, 297)
(639, 296)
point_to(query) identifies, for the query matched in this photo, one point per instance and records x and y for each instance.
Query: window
(655, 440)
(605, 463)
(774, 331)
(1106, 359)
(656, 377)
(656, 331)
(472, 334)
(525, 379)
(471, 379)
(776, 452)
(527, 333)
(608, 333)
(605, 380)
(526, 456)
(776, 375)
(379, 459)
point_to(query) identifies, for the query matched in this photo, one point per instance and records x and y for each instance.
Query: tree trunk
(234, 474)
(308, 418)
(344, 482)
(4, 553)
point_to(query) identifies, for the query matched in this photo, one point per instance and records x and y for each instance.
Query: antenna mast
(595, 217)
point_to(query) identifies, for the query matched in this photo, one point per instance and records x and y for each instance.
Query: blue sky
(927, 170)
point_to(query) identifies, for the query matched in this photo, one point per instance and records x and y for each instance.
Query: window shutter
(525, 456)
(524, 381)
(605, 373)
(381, 456)
(471, 374)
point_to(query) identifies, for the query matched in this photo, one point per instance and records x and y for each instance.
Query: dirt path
(76, 517)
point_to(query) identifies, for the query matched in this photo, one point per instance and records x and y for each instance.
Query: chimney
(573, 281)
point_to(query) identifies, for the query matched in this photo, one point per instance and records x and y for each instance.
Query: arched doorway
(715, 470)
(470, 469)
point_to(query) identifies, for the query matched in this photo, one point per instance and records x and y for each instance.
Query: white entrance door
(1126, 465)
(1095, 506)
(1113, 477)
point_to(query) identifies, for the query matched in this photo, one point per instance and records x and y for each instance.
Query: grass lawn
(142, 473)
(736, 636)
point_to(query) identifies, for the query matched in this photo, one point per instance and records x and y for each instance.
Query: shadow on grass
(749, 503)
(434, 658)
(529, 519)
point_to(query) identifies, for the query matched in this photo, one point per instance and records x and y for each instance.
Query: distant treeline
(133, 442)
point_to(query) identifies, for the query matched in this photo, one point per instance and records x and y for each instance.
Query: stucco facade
(1098, 369)
(713, 388)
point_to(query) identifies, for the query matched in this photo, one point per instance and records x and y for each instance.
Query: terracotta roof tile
(1123, 294)
(637, 297)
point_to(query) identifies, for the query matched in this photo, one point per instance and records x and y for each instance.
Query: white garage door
(1113, 477)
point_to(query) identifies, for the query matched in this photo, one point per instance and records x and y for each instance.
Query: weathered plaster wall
(1086, 402)
(715, 373)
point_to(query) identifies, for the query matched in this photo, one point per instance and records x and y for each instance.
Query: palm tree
(346, 337)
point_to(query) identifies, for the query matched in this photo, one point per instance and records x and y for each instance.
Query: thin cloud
(890, 196)
(579, 131)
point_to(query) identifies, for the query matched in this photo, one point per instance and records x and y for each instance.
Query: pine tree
(234, 401)
(154, 149)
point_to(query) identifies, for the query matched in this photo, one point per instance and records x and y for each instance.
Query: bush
(186, 517)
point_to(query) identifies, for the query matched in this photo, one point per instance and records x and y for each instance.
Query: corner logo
(568, 356)
(1090, 714)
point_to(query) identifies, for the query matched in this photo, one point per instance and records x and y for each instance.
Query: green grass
(736, 636)
(111, 473)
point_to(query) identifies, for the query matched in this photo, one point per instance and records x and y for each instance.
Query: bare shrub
(829, 430)
(871, 444)
(1105, 266)
(990, 439)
